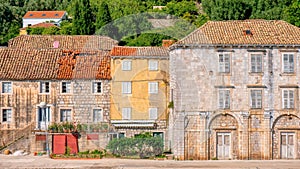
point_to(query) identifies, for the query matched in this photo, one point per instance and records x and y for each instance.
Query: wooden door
(223, 145)
(287, 145)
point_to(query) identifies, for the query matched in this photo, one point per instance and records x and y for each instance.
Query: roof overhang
(134, 124)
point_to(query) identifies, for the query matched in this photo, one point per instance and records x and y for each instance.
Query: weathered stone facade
(200, 128)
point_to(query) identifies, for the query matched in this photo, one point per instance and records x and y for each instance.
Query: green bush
(137, 146)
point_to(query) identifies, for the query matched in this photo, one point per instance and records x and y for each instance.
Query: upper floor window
(126, 87)
(256, 99)
(224, 63)
(288, 99)
(97, 115)
(126, 65)
(44, 87)
(224, 99)
(126, 113)
(153, 87)
(65, 115)
(66, 87)
(97, 87)
(6, 115)
(256, 63)
(288, 63)
(153, 65)
(153, 113)
(6, 87)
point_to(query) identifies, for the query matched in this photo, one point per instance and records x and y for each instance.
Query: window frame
(10, 87)
(41, 87)
(126, 87)
(93, 87)
(126, 110)
(283, 63)
(126, 65)
(256, 55)
(8, 118)
(255, 92)
(151, 111)
(221, 95)
(222, 65)
(288, 99)
(100, 111)
(61, 115)
(150, 65)
(62, 85)
(150, 87)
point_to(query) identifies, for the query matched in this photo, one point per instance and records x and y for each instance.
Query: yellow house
(139, 90)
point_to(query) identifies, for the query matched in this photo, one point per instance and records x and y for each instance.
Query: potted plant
(60, 128)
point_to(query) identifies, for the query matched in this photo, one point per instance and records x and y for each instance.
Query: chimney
(55, 44)
(167, 43)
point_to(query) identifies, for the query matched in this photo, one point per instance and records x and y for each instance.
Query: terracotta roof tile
(75, 42)
(84, 65)
(139, 51)
(41, 25)
(47, 64)
(28, 64)
(44, 14)
(253, 32)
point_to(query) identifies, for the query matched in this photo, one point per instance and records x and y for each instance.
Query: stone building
(139, 90)
(235, 88)
(74, 84)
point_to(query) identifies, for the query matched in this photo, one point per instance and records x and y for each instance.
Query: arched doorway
(285, 137)
(223, 140)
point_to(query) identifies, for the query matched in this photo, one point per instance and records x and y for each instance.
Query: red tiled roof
(47, 64)
(248, 32)
(84, 65)
(44, 14)
(28, 64)
(139, 51)
(41, 25)
(75, 42)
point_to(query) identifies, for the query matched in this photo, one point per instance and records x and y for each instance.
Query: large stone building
(235, 87)
(139, 90)
(71, 74)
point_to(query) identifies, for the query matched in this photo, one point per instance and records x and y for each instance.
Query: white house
(35, 17)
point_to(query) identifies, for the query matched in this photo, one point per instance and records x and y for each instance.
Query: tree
(83, 18)
(76, 19)
(292, 13)
(103, 16)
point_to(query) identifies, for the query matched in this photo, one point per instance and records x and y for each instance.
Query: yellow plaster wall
(139, 100)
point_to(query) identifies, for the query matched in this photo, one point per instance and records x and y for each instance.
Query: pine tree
(76, 19)
(87, 18)
(103, 16)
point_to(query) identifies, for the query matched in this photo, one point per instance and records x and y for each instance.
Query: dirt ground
(44, 162)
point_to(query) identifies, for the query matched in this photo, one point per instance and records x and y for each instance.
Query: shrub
(141, 145)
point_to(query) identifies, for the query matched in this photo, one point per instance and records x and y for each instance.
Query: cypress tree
(76, 19)
(103, 16)
(87, 25)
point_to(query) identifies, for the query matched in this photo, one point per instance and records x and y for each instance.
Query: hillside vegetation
(128, 20)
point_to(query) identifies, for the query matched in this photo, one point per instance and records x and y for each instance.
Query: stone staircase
(18, 139)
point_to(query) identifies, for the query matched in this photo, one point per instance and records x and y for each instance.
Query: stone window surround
(289, 99)
(101, 114)
(224, 66)
(151, 64)
(262, 62)
(126, 65)
(93, 84)
(11, 114)
(65, 108)
(40, 87)
(223, 107)
(61, 87)
(250, 100)
(282, 63)
(11, 86)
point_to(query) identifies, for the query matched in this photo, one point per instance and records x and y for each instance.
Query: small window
(153, 113)
(158, 134)
(97, 87)
(6, 115)
(126, 113)
(44, 87)
(56, 14)
(153, 87)
(43, 14)
(65, 115)
(288, 63)
(66, 87)
(256, 99)
(6, 87)
(224, 99)
(121, 135)
(224, 63)
(97, 115)
(256, 63)
(153, 65)
(126, 87)
(288, 99)
(126, 65)
(31, 14)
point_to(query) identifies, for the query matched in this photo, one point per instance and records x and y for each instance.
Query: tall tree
(292, 13)
(87, 18)
(103, 16)
(76, 19)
